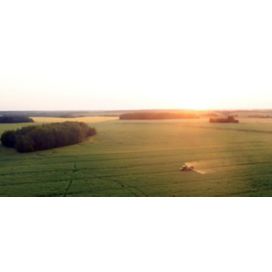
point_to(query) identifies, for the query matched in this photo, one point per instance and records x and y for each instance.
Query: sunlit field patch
(89, 119)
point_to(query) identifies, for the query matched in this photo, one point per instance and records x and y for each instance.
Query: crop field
(142, 158)
(91, 119)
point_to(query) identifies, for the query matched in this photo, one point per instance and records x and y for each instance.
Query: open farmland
(87, 119)
(142, 158)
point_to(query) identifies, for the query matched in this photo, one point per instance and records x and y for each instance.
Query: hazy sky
(63, 54)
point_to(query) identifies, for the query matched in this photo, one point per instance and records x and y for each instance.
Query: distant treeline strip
(15, 119)
(34, 138)
(157, 115)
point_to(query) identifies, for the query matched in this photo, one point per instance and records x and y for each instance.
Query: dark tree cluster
(34, 138)
(6, 119)
(228, 119)
(157, 115)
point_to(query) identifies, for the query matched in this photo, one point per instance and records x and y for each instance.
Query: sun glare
(194, 101)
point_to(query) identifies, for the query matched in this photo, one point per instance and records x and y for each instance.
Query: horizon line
(139, 109)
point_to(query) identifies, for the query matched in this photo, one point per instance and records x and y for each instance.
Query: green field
(142, 158)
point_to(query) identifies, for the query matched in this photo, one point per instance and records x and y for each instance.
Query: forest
(157, 115)
(10, 119)
(47, 136)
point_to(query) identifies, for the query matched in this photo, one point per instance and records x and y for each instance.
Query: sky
(144, 54)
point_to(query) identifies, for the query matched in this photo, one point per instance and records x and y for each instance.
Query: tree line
(157, 115)
(15, 119)
(47, 136)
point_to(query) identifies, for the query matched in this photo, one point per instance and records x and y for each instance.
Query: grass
(90, 119)
(142, 158)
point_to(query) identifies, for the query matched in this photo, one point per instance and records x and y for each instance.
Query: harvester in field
(187, 168)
